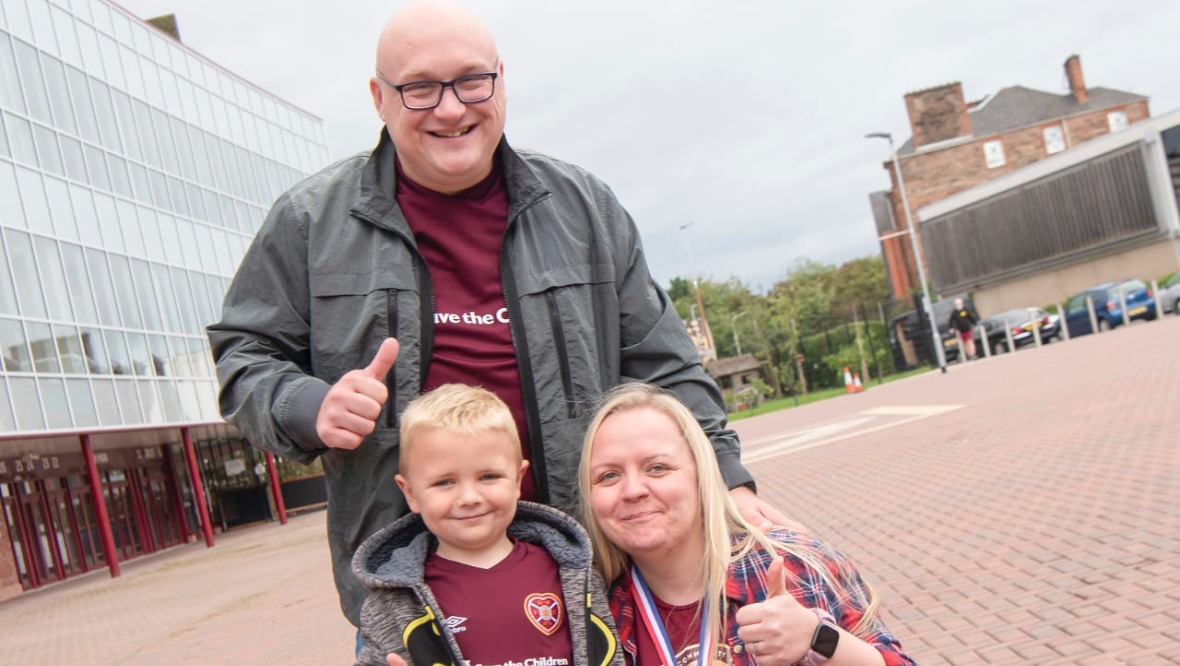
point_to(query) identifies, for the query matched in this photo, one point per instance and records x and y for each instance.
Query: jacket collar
(376, 201)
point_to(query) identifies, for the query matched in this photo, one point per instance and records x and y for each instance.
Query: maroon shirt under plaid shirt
(746, 584)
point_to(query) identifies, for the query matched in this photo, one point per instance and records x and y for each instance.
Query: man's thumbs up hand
(351, 407)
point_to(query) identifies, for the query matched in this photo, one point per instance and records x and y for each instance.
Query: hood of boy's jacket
(396, 555)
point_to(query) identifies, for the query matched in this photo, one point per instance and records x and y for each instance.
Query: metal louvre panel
(1102, 202)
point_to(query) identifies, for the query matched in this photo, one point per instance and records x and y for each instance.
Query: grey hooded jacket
(334, 270)
(402, 616)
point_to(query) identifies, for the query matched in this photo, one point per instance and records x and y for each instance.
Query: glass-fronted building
(133, 174)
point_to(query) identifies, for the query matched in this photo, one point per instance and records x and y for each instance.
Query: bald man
(445, 255)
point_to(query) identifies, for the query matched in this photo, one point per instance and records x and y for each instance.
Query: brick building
(957, 145)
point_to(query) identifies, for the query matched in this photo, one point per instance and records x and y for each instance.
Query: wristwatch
(823, 641)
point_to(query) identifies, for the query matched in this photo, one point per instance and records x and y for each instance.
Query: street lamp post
(909, 220)
(733, 322)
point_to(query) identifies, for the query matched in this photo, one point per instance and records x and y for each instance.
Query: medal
(659, 634)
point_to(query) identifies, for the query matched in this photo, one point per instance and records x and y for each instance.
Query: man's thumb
(383, 361)
(776, 577)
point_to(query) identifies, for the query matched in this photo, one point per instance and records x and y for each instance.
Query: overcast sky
(744, 120)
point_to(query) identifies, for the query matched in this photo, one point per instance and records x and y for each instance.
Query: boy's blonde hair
(456, 408)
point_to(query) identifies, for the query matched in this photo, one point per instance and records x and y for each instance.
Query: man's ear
(378, 95)
(405, 488)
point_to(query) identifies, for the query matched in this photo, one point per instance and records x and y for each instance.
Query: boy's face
(465, 487)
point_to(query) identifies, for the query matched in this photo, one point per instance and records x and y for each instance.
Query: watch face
(826, 638)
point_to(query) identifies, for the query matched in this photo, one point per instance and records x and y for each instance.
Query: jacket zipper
(391, 376)
(567, 383)
(532, 416)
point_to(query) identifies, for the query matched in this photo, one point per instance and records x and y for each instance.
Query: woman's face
(643, 484)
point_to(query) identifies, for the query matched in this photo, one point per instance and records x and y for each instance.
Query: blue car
(1108, 299)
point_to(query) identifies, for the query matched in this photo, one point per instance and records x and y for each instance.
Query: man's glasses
(421, 95)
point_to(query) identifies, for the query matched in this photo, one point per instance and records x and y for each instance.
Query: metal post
(1008, 336)
(905, 204)
(1123, 305)
(987, 347)
(1155, 296)
(275, 489)
(1093, 317)
(1062, 323)
(106, 535)
(1036, 326)
(733, 322)
(194, 474)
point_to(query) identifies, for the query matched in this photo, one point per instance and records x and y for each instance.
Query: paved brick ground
(1019, 510)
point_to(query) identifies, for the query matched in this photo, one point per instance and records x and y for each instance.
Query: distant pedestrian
(963, 319)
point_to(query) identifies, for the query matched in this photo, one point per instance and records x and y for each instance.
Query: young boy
(473, 575)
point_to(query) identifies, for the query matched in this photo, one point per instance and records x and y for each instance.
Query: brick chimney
(1077, 84)
(938, 114)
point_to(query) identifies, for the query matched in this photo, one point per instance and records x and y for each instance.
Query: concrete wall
(1146, 262)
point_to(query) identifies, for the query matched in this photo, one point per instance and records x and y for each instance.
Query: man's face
(448, 148)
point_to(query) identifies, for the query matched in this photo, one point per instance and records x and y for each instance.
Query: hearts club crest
(544, 611)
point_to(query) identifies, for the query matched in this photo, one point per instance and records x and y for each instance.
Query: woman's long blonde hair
(728, 536)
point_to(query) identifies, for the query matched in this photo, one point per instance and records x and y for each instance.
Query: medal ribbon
(655, 626)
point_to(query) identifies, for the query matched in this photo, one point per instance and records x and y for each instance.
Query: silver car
(1170, 294)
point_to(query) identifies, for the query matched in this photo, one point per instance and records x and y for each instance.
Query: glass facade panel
(24, 273)
(53, 279)
(108, 222)
(11, 212)
(26, 403)
(59, 95)
(8, 303)
(57, 406)
(15, 346)
(10, 93)
(43, 347)
(128, 400)
(20, 135)
(72, 154)
(147, 295)
(97, 360)
(82, 401)
(83, 112)
(32, 195)
(125, 289)
(132, 173)
(47, 150)
(60, 209)
(7, 422)
(34, 86)
(69, 349)
(104, 290)
(88, 231)
(79, 284)
(141, 363)
(105, 402)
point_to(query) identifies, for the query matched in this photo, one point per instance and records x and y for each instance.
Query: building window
(993, 153)
(1117, 120)
(1054, 139)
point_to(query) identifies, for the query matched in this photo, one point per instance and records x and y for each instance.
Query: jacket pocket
(351, 314)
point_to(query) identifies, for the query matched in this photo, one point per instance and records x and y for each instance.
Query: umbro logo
(455, 624)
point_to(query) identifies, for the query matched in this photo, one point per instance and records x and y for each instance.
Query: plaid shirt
(746, 584)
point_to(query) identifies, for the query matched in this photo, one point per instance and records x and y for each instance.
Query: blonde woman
(689, 576)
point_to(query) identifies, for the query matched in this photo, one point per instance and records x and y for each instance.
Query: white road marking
(800, 440)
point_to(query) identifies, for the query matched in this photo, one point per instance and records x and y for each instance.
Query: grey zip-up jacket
(402, 616)
(334, 271)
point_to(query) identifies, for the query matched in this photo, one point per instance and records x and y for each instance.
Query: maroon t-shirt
(460, 236)
(512, 612)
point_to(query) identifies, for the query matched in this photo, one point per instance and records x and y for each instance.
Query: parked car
(1108, 298)
(1170, 294)
(1020, 322)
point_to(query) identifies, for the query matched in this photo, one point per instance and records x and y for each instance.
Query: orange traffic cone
(848, 387)
(857, 386)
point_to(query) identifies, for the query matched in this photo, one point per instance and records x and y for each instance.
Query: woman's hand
(777, 630)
